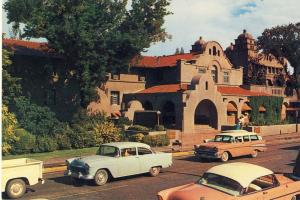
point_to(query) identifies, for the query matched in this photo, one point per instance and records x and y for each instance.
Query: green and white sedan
(118, 159)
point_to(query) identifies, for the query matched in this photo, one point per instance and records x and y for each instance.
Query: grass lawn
(55, 154)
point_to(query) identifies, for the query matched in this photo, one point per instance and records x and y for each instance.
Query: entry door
(128, 162)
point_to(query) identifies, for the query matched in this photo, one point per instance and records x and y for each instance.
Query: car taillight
(159, 197)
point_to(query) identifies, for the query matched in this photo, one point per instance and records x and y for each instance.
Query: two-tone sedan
(118, 159)
(235, 181)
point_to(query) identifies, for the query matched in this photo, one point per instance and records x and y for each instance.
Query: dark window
(209, 51)
(214, 50)
(114, 97)
(269, 70)
(273, 70)
(226, 77)
(206, 85)
(214, 73)
(50, 97)
(218, 52)
(144, 151)
(201, 70)
(246, 138)
(253, 137)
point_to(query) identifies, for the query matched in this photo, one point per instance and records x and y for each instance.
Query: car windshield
(223, 138)
(110, 151)
(221, 183)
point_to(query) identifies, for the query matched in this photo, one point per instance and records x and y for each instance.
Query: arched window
(214, 50)
(214, 73)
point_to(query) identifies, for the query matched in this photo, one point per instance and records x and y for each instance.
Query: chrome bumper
(207, 155)
(78, 175)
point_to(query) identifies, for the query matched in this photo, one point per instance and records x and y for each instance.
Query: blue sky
(219, 20)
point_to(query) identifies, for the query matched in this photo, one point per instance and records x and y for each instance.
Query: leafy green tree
(94, 37)
(38, 120)
(11, 87)
(283, 41)
(9, 124)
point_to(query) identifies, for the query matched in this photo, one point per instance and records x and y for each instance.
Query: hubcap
(101, 178)
(225, 156)
(16, 188)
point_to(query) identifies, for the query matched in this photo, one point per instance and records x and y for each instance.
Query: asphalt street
(279, 158)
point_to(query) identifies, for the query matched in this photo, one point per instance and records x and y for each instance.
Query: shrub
(138, 128)
(45, 144)
(106, 132)
(62, 133)
(25, 144)
(159, 128)
(9, 123)
(156, 140)
(136, 137)
(38, 120)
(122, 122)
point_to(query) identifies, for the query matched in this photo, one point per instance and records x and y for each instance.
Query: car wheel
(15, 188)
(101, 177)
(225, 156)
(254, 154)
(154, 171)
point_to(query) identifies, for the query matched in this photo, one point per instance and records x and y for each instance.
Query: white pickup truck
(17, 173)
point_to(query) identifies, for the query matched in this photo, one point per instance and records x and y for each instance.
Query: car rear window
(246, 138)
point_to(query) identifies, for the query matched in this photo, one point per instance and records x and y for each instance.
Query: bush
(137, 137)
(9, 123)
(106, 132)
(122, 122)
(45, 144)
(138, 128)
(62, 133)
(38, 120)
(156, 140)
(159, 128)
(25, 144)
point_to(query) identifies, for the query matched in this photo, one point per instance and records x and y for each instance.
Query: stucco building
(203, 90)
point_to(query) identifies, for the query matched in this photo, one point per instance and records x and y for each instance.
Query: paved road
(279, 158)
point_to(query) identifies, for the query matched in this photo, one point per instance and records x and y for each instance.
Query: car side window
(253, 137)
(144, 151)
(128, 152)
(246, 138)
(238, 139)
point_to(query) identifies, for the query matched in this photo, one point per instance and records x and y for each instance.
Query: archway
(232, 113)
(168, 114)
(206, 114)
(147, 105)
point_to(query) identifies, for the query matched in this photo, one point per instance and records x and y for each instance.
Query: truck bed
(19, 162)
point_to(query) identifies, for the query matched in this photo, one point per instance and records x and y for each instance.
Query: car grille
(78, 169)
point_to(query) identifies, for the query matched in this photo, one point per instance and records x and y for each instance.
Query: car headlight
(86, 166)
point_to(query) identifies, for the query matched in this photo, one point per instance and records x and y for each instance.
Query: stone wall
(274, 129)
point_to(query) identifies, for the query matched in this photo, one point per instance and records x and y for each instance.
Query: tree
(11, 87)
(283, 41)
(181, 50)
(9, 124)
(94, 37)
(177, 51)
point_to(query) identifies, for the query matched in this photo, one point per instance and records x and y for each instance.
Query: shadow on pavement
(297, 147)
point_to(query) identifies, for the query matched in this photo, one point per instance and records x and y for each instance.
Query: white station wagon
(118, 159)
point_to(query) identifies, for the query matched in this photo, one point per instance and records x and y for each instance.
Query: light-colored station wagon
(117, 160)
(230, 144)
(234, 181)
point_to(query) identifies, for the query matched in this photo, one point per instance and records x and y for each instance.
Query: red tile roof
(170, 88)
(227, 90)
(159, 61)
(27, 44)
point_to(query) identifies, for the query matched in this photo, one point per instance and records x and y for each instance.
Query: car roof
(243, 173)
(235, 133)
(127, 144)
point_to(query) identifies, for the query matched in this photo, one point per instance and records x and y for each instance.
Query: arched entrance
(168, 114)
(206, 114)
(232, 113)
(147, 105)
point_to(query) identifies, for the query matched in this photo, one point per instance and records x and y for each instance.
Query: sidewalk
(58, 164)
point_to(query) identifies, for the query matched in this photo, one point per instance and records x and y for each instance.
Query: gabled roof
(243, 173)
(170, 88)
(23, 47)
(238, 91)
(159, 61)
